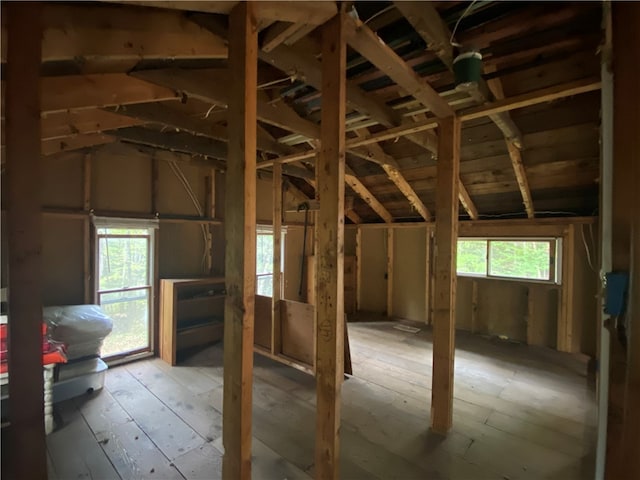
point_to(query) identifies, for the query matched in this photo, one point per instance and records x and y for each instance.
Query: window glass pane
(264, 254)
(130, 312)
(472, 257)
(264, 285)
(123, 262)
(520, 259)
(123, 231)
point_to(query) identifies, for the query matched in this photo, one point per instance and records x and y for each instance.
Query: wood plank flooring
(519, 413)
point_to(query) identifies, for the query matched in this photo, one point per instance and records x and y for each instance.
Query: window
(124, 283)
(523, 259)
(264, 260)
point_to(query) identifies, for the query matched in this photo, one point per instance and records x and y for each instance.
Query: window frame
(555, 259)
(268, 230)
(101, 223)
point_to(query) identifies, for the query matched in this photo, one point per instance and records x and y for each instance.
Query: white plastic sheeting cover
(82, 328)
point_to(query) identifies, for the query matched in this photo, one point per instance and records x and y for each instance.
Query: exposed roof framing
(427, 22)
(369, 45)
(148, 73)
(76, 92)
(390, 166)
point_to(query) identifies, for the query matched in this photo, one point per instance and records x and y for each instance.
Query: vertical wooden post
(446, 239)
(623, 436)
(427, 253)
(276, 338)
(210, 211)
(358, 268)
(565, 307)
(240, 254)
(474, 306)
(330, 251)
(86, 228)
(24, 230)
(389, 272)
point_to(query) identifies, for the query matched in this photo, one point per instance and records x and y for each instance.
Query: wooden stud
(211, 212)
(390, 272)
(531, 326)
(209, 207)
(276, 337)
(240, 254)
(446, 239)
(358, 268)
(565, 317)
(86, 227)
(24, 231)
(330, 172)
(474, 306)
(427, 276)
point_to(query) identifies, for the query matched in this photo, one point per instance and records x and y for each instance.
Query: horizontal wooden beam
(169, 218)
(526, 226)
(100, 37)
(307, 69)
(165, 115)
(369, 45)
(60, 125)
(77, 142)
(535, 97)
(76, 92)
(517, 101)
(212, 86)
(175, 141)
(426, 20)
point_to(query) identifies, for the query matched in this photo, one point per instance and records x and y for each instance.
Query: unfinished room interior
(294, 240)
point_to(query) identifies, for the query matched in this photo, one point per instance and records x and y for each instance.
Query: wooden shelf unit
(191, 314)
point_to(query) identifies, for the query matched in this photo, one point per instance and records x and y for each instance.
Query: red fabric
(52, 352)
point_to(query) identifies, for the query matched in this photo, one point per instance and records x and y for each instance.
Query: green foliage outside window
(519, 259)
(123, 262)
(472, 257)
(264, 264)
(526, 259)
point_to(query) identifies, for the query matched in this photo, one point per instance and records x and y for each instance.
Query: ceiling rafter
(117, 37)
(161, 113)
(210, 86)
(374, 49)
(75, 92)
(391, 168)
(426, 20)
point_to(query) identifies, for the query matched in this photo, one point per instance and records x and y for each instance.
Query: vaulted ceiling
(155, 76)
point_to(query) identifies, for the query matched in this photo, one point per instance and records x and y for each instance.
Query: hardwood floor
(519, 413)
